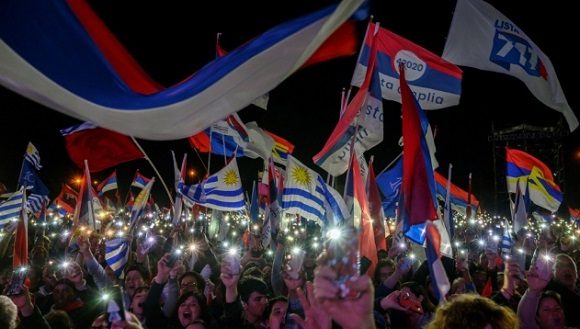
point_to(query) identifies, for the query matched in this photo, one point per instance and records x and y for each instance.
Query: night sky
(171, 41)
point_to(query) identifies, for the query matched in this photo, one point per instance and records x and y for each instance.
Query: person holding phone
(245, 299)
(155, 318)
(349, 313)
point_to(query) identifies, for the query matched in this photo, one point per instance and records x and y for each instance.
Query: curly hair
(470, 311)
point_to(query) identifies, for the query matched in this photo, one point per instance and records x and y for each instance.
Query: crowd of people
(186, 280)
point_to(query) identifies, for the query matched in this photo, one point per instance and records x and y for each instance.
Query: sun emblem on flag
(231, 178)
(301, 176)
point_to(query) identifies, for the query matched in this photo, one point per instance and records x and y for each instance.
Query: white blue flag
(220, 191)
(302, 194)
(33, 156)
(10, 209)
(482, 37)
(117, 255)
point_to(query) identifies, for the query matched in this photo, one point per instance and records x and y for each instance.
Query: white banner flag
(483, 38)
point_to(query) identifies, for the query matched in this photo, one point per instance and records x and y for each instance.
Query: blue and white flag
(482, 37)
(303, 194)
(220, 191)
(47, 55)
(38, 191)
(336, 211)
(506, 242)
(10, 209)
(32, 156)
(117, 255)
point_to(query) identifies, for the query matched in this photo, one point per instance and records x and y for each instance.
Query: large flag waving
(482, 37)
(103, 148)
(459, 198)
(223, 137)
(11, 208)
(108, 184)
(389, 182)
(140, 203)
(33, 156)
(220, 191)
(67, 199)
(75, 77)
(362, 216)
(523, 167)
(436, 82)
(361, 125)
(38, 191)
(419, 202)
(303, 194)
(117, 255)
(87, 203)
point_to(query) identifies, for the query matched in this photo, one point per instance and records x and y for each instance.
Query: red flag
(67, 199)
(343, 42)
(362, 216)
(84, 211)
(418, 187)
(20, 254)
(376, 210)
(103, 148)
(124, 64)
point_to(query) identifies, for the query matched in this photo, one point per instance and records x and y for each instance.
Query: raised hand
(23, 301)
(349, 313)
(314, 316)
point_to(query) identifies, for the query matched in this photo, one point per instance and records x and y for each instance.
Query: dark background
(171, 40)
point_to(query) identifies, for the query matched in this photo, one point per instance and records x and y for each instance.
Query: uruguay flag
(220, 191)
(10, 209)
(303, 194)
(117, 255)
(435, 82)
(47, 55)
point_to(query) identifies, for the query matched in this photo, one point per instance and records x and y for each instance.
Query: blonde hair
(470, 311)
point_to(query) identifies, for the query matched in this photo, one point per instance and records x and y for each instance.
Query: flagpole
(209, 154)
(155, 169)
(391, 163)
(201, 160)
(224, 148)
